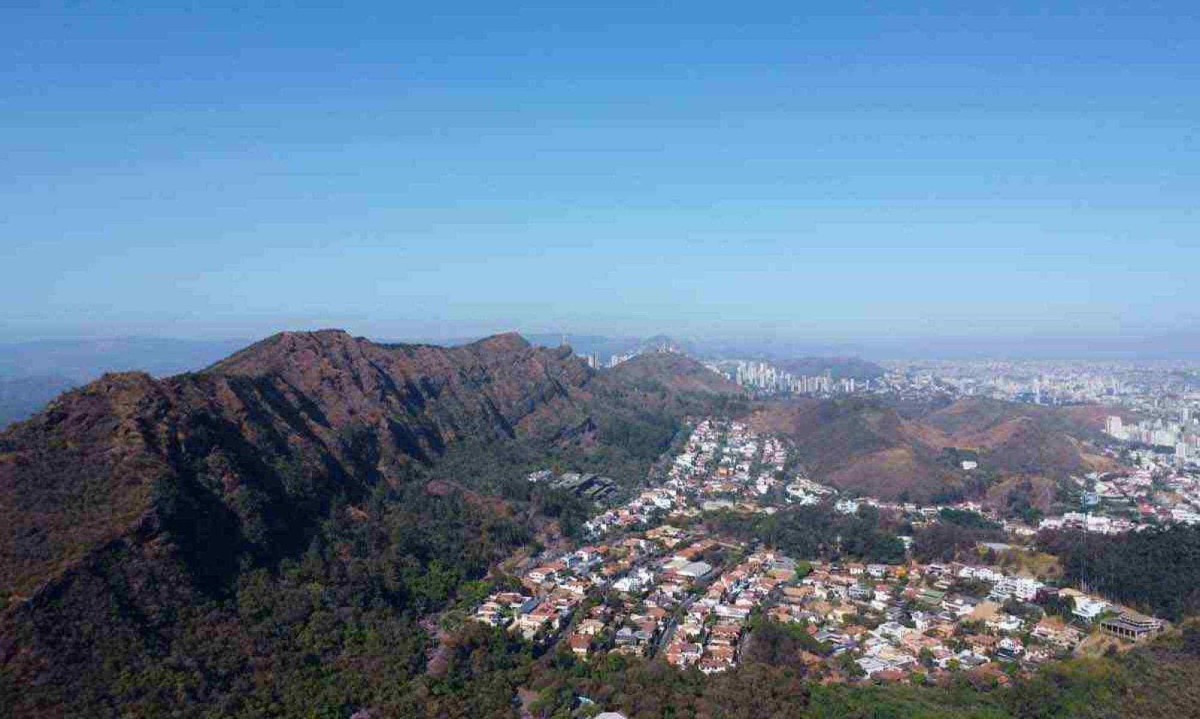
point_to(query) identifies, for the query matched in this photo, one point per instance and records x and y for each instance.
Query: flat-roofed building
(1131, 626)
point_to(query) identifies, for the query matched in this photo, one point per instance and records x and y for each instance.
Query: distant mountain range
(33, 373)
(83, 360)
(20, 397)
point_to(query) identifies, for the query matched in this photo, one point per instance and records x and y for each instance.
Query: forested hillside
(264, 537)
(1157, 569)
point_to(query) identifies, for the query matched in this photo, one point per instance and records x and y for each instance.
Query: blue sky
(875, 170)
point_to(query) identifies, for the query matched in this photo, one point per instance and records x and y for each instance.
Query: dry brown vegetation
(869, 447)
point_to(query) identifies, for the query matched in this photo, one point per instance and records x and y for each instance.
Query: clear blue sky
(412, 169)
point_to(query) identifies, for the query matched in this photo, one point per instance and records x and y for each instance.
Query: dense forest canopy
(819, 532)
(1156, 569)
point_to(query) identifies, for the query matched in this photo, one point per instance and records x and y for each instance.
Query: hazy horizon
(1129, 347)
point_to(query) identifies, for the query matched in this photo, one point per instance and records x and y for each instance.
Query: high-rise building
(1112, 426)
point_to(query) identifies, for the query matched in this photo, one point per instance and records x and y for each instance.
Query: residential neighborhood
(649, 584)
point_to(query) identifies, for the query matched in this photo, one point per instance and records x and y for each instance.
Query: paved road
(669, 629)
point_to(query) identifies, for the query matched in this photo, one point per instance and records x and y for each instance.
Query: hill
(979, 415)
(861, 445)
(670, 372)
(868, 446)
(837, 367)
(148, 520)
(1014, 438)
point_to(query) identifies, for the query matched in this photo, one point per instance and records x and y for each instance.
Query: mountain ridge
(134, 511)
(352, 411)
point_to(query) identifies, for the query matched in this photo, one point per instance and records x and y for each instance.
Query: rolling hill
(671, 373)
(867, 446)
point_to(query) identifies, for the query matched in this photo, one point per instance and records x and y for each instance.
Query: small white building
(1088, 609)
